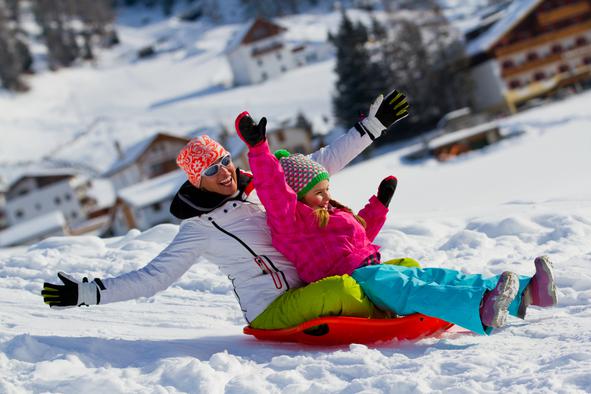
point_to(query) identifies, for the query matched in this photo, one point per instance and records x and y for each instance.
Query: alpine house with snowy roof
(533, 48)
(145, 160)
(35, 194)
(258, 52)
(146, 204)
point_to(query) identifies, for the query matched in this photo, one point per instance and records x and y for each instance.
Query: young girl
(323, 238)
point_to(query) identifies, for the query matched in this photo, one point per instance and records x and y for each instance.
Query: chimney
(118, 149)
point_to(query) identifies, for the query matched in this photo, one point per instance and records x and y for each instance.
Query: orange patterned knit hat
(197, 155)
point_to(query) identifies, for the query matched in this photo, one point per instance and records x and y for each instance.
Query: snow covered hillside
(77, 114)
(485, 212)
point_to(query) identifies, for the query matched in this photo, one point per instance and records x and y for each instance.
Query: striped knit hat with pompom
(301, 173)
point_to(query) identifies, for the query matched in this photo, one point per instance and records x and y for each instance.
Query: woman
(226, 224)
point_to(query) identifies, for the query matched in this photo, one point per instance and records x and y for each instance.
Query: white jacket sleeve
(336, 156)
(162, 271)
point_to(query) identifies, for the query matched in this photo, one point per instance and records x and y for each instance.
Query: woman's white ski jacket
(235, 236)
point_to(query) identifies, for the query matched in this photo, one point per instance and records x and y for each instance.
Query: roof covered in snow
(133, 153)
(22, 232)
(518, 10)
(46, 176)
(256, 30)
(153, 190)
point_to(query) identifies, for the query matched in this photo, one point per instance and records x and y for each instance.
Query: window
(19, 213)
(556, 48)
(580, 41)
(38, 206)
(260, 62)
(157, 169)
(587, 60)
(157, 207)
(563, 68)
(264, 76)
(508, 64)
(68, 197)
(532, 56)
(278, 56)
(538, 76)
(283, 69)
(74, 215)
(57, 201)
(514, 84)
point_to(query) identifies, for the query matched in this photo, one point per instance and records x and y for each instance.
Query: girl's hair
(322, 215)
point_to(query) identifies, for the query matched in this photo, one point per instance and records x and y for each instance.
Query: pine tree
(167, 7)
(52, 17)
(12, 53)
(354, 88)
(72, 27)
(426, 69)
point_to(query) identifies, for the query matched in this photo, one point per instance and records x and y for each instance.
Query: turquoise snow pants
(438, 292)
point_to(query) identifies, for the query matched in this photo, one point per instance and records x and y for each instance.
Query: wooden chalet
(533, 49)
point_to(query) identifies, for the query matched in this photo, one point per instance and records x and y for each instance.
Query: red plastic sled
(341, 330)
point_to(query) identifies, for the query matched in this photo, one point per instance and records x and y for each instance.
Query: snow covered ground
(487, 211)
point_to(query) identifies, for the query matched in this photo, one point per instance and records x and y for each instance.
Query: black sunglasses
(214, 168)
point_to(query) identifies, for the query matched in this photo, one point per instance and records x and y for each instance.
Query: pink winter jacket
(339, 248)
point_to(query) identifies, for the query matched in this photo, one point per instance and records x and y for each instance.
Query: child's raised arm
(279, 199)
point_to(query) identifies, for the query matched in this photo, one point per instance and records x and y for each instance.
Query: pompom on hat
(301, 173)
(197, 155)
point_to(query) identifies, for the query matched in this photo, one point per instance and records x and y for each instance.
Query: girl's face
(318, 196)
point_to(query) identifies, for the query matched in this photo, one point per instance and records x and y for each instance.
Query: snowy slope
(488, 212)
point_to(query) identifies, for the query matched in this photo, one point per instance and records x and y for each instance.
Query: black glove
(72, 292)
(393, 108)
(386, 190)
(250, 132)
(383, 113)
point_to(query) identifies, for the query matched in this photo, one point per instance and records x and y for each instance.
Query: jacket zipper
(276, 274)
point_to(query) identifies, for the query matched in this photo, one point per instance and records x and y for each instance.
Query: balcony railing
(567, 55)
(521, 46)
(561, 13)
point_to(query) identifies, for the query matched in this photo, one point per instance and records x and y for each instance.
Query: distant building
(447, 145)
(529, 49)
(145, 160)
(37, 194)
(36, 229)
(259, 51)
(146, 204)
